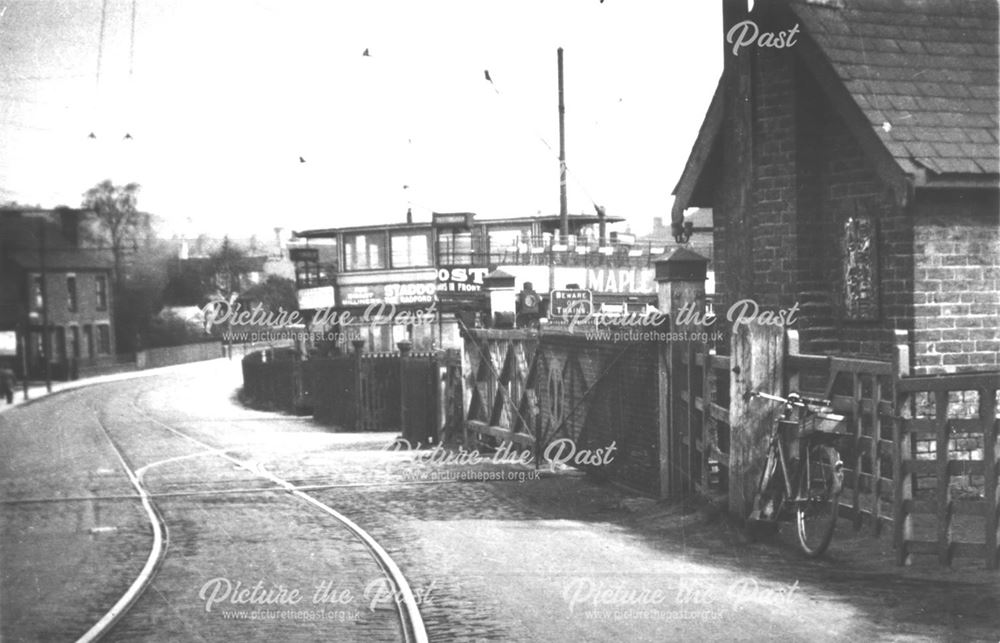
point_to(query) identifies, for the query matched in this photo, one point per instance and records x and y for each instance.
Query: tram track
(411, 621)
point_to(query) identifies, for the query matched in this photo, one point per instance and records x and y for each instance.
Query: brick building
(855, 172)
(77, 285)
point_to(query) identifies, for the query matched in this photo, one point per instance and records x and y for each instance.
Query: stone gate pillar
(680, 281)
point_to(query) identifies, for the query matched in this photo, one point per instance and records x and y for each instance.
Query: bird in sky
(91, 135)
(301, 160)
(486, 72)
(127, 137)
(365, 53)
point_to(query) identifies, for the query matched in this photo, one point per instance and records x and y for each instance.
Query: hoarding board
(315, 298)
(8, 342)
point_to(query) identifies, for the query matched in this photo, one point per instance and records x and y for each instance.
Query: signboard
(860, 289)
(460, 278)
(452, 219)
(303, 254)
(390, 293)
(567, 303)
(8, 342)
(315, 298)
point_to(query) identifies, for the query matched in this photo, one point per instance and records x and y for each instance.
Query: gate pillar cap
(682, 265)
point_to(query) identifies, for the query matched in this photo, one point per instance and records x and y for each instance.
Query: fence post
(468, 384)
(902, 523)
(988, 418)
(663, 424)
(757, 361)
(680, 289)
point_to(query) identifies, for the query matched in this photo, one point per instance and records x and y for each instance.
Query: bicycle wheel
(820, 482)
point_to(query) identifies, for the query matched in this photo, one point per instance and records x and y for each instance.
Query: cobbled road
(505, 556)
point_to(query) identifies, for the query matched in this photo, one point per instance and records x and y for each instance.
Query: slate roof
(928, 68)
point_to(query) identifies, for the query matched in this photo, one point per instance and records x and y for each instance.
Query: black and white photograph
(436, 320)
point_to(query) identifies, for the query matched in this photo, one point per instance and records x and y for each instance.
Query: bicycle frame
(792, 475)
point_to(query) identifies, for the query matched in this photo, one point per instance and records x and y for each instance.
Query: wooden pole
(757, 360)
(563, 207)
(663, 417)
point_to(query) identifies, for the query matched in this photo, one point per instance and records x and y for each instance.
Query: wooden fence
(698, 442)
(682, 408)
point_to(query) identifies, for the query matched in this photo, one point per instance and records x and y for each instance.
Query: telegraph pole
(563, 209)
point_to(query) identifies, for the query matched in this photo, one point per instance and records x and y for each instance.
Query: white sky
(225, 96)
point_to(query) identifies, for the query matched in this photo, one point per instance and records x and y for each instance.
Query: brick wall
(780, 240)
(754, 222)
(837, 181)
(957, 282)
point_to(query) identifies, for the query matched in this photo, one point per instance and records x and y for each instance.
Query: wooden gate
(599, 394)
(946, 499)
(531, 390)
(378, 392)
(357, 392)
(698, 404)
(497, 365)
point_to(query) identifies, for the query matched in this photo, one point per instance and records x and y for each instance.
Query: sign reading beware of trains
(564, 303)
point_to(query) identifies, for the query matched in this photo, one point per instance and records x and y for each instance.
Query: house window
(364, 251)
(37, 296)
(455, 247)
(71, 300)
(860, 296)
(102, 292)
(103, 339)
(410, 250)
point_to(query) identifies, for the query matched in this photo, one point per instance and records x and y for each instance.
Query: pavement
(492, 551)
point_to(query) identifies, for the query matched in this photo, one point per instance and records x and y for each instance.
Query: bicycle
(808, 484)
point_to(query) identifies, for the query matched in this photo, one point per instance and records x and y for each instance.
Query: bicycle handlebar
(793, 398)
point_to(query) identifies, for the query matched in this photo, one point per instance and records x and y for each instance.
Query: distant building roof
(928, 69)
(62, 259)
(545, 219)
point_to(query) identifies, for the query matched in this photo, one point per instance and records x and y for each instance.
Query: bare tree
(116, 219)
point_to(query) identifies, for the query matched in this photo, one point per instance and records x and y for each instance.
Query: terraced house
(855, 171)
(56, 299)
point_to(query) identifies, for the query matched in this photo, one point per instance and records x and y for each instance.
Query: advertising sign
(315, 298)
(8, 342)
(390, 293)
(303, 254)
(460, 278)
